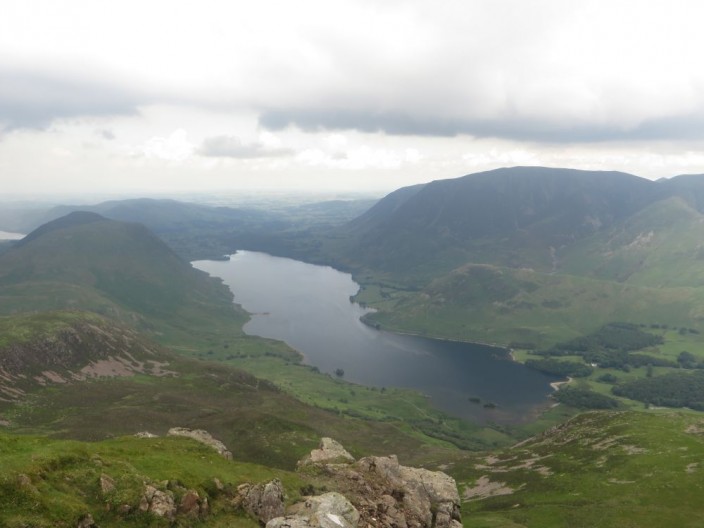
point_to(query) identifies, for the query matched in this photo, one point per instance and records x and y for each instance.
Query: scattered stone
(146, 434)
(190, 504)
(262, 501)
(485, 488)
(107, 484)
(329, 452)
(25, 483)
(204, 437)
(86, 521)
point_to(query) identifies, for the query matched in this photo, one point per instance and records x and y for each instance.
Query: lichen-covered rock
(330, 510)
(107, 484)
(329, 452)
(387, 494)
(204, 437)
(430, 497)
(262, 501)
(160, 503)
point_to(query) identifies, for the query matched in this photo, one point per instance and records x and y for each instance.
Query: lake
(6, 235)
(309, 308)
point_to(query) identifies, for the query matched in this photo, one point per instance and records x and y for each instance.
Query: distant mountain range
(526, 254)
(529, 254)
(517, 217)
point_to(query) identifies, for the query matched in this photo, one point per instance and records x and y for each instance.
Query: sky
(157, 97)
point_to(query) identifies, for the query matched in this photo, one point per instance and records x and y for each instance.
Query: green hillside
(528, 254)
(116, 269)
(605, 469)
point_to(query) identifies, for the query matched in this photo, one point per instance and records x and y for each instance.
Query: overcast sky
(164, 96)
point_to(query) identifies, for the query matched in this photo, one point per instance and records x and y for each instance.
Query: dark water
(308, 307)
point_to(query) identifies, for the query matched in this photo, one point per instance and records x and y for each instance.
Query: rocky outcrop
(421, 497)
(329, 452)
(262, 501)
(81, 348)
(330, 510)
(204, 437)
(382, 493)
(157, 502)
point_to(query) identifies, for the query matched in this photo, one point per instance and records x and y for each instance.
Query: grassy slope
(121, 271)
(503, 305)
(600, 469)
(253, 417)
(65, 477)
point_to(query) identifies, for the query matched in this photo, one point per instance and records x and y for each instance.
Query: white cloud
(174, 148)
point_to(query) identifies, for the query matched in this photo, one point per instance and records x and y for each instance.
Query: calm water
(308, 307)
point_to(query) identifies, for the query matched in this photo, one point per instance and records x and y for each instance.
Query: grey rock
(419, 492)
(388, 494)
(158, 502)
(204, 437)
(262, 501)
(107, 484)
(330, 510)
(329, 452)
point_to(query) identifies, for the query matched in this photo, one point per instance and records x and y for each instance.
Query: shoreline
(557, 384)
(448, 339)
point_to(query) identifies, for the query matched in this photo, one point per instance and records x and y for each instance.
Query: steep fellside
(37, 350)
(532, 255)
(507, 217)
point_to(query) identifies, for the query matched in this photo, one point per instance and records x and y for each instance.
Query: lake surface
(309, 308)
(6, 235)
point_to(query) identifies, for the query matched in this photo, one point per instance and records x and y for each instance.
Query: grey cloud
(33, 100)
(107, 134)
(676, 127)
(234, 147)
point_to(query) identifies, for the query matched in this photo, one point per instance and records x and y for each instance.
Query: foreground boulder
(382, 493)
(330, 510)
(262, 501)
